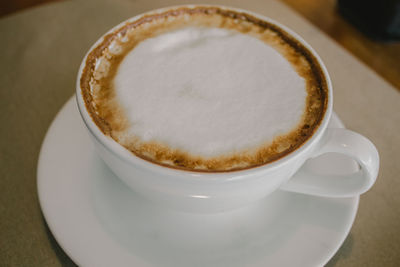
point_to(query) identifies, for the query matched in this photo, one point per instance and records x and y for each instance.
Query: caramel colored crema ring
(99, 94)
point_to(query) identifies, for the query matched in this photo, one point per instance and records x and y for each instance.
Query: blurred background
(369, 29)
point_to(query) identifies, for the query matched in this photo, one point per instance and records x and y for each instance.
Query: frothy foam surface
(204, 89)
(209, 92)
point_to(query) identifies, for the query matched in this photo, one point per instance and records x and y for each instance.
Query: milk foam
(209, 91)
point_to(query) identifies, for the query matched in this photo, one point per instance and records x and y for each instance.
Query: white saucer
(99, 222)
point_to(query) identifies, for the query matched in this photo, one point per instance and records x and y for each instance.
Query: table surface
(41, 50)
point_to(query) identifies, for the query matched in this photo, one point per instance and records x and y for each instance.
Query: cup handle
(345, 142)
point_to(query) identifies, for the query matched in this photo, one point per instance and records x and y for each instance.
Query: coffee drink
(204, 89)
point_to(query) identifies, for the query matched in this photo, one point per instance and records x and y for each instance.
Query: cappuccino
(204, 89)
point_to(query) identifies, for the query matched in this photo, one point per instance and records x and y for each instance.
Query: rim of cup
(121, 152)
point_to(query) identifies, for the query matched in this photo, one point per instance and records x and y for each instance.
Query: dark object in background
(378, 19)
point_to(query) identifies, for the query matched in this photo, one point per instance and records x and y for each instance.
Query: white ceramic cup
(222, 191)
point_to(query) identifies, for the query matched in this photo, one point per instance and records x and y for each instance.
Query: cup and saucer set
(107, 207)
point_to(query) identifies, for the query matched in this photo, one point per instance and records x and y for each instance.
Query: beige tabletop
(40, 51)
